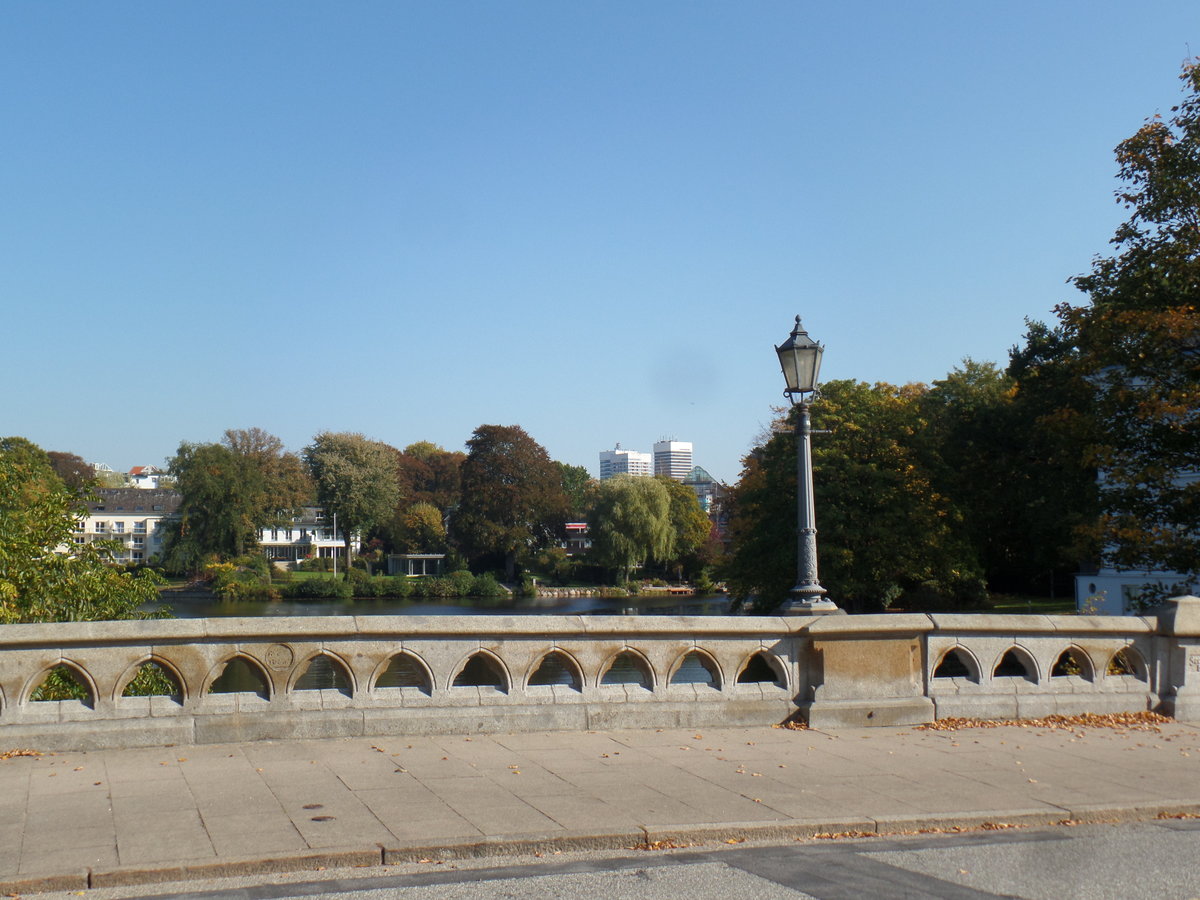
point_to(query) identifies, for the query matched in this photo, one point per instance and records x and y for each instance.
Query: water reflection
(711, 605)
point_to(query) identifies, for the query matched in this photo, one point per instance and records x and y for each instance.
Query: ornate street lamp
(800, 359)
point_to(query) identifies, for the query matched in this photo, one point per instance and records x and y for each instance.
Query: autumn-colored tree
(1136, 342)
(512, 497)
(419, 529)
(429, 474)
(72, 469)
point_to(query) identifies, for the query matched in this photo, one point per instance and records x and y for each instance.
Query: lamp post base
(810, 606)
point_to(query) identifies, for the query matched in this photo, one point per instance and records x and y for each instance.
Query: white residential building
(132, 517)
(624, 462)
(673, 459)
(308, 534)
(144, 477)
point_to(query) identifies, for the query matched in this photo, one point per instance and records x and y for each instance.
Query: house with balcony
(308, 534)
(132, 517)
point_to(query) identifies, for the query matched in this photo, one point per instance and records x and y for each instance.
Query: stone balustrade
(235, 679)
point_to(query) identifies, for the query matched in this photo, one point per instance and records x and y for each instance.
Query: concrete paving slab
(263, 842)
(439, 825)
(50, 862)
(491, 808)
(574, 813)
(45, 834)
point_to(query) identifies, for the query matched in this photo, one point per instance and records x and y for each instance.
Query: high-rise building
(673, 459)
(624, 462)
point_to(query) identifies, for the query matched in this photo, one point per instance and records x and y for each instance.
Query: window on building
(100, 527)
(139, 527)
(118, 527)
(138, 556)
(139, 542)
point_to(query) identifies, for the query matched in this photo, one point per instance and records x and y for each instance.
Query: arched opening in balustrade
(154, 678)
(957, 662)
(556, 668)
(325, 673)
(404, 670)
(241, 675)
(64, 682)
(629, 667)
(1072, 663)
(760, 668)
(1127, 663)
(697, 667)
(482, 670)
(1016, 663)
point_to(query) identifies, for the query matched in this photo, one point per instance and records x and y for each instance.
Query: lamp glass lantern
(800, 359)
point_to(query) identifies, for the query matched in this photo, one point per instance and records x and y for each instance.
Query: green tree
(44, 576)
(1011, 471)
(355, 478)
(885, 531)
(690, 526)
(229, 491)
(1136, 342)
(512, 497)
(630, 522)
(577, 484)
(420, 529)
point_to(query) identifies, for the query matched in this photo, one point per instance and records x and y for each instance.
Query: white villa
(308, 535)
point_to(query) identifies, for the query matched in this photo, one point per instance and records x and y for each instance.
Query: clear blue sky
(591, 219)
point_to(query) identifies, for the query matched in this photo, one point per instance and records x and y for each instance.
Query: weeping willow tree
(631, 523)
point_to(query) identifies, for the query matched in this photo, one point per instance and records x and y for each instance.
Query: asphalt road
(1141, 861)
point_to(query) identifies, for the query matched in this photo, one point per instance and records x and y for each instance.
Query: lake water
(711, 605)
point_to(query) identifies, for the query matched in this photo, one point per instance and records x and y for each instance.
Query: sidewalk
(71, 820)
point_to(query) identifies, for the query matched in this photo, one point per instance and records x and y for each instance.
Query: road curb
(657, 837)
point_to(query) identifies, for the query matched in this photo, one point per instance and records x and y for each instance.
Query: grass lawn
(1047, 606)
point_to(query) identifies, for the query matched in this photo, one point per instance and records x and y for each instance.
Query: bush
(245, 591)
(439, 588)
(462, 583)
(396, 586)
(486, 585)
(256, 563)
(361, 584)
(319, 589)
(245, 578)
